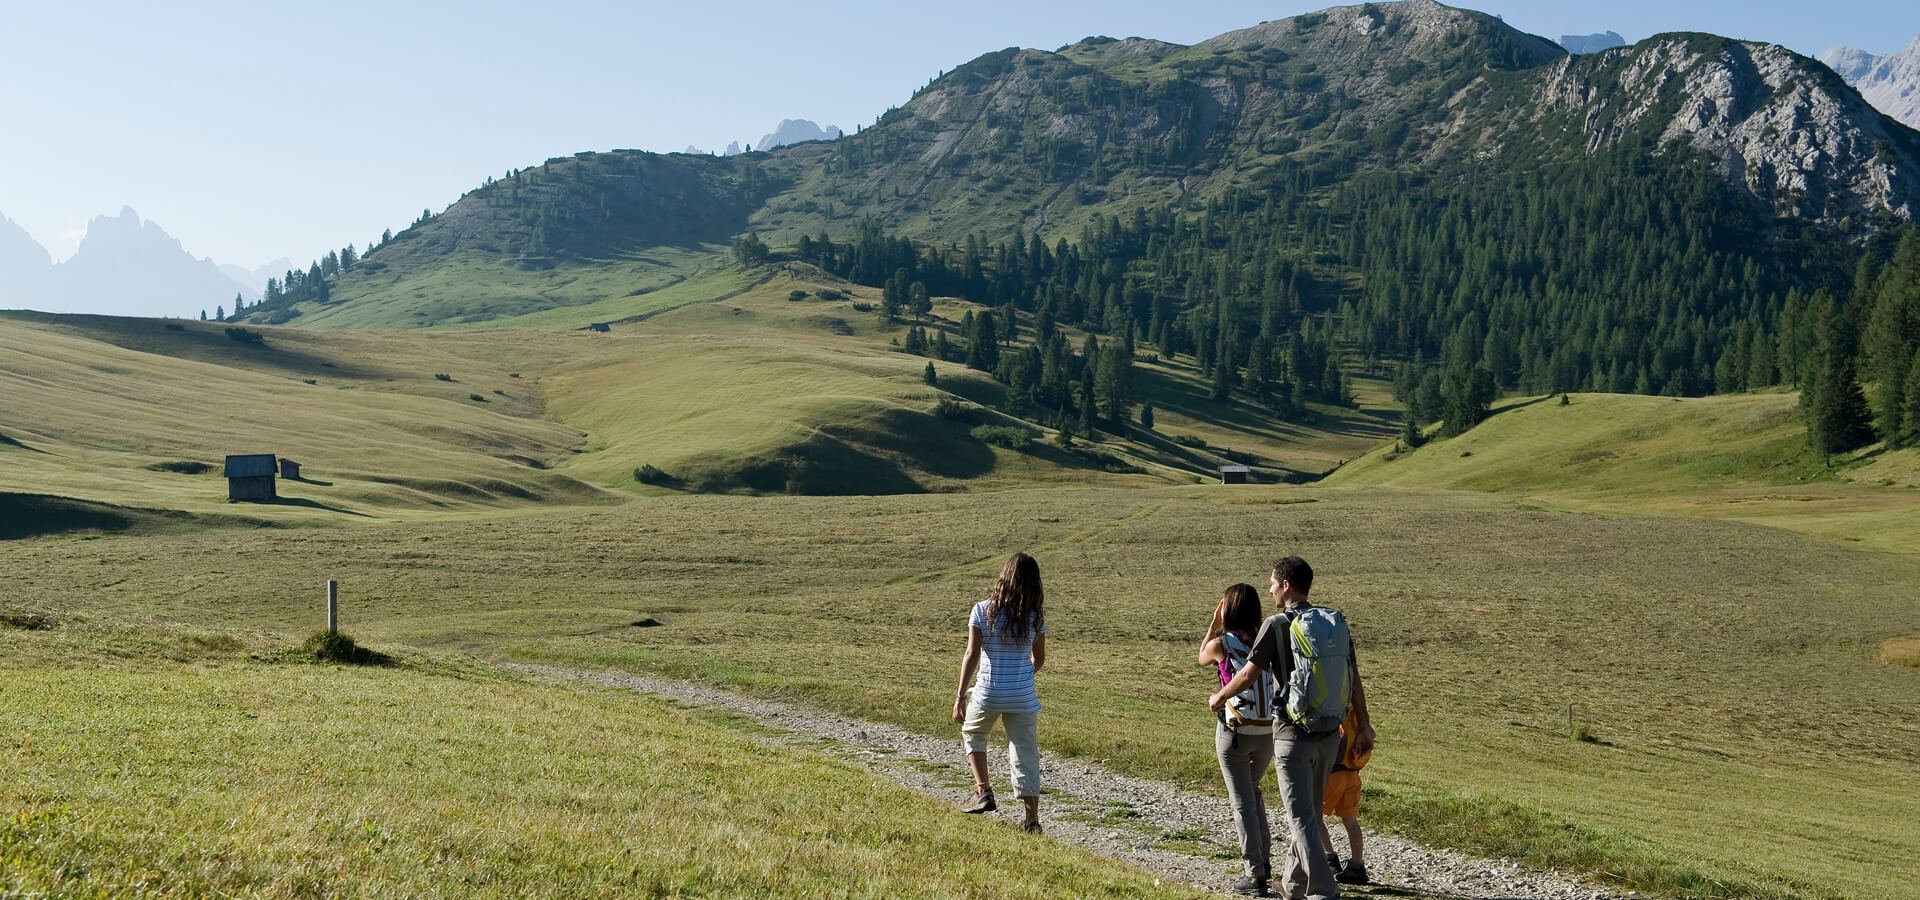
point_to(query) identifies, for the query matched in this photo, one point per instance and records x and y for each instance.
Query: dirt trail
(1171, 833)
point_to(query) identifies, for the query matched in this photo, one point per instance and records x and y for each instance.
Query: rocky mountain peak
(1891, 83)
(1786, 130)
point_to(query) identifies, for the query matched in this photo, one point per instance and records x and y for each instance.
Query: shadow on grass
(33, 515)
(6, 441)
(304, 503)
(341, 649)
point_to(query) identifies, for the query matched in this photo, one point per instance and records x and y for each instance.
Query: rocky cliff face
(1774, 124)
(1891, 83)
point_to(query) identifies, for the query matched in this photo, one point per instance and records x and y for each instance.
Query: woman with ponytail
(1011, 628)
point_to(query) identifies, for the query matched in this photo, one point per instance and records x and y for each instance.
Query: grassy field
(1731, 674)
(1741, 457)
(1749, 689)
(168, 762)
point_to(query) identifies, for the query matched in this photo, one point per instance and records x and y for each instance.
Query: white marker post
(333, 607)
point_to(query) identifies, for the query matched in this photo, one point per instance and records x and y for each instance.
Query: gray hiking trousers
(1305, 763)
(1244, 760)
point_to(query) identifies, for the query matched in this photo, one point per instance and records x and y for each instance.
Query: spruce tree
(1837, 416)
(929, 376)
(1146, 413)
(1910, 419)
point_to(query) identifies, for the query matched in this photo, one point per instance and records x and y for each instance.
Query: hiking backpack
(1320, 683)
(1251, 710)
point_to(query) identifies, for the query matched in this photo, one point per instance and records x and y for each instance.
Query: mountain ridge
(124, 266)
(1891, 82)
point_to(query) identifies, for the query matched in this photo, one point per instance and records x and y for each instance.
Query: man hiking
(1310, 653)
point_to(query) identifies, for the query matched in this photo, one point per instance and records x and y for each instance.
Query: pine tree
(1910, 419)
(930, 376)
(1469, 394)
(1837, 416)
(1146, 415)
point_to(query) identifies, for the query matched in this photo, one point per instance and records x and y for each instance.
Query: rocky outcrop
(1785, 130)
(1891, 83)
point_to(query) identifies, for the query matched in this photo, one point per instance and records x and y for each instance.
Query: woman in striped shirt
(1012, 630)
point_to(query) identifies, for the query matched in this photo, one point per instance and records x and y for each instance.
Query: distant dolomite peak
(1891, 83)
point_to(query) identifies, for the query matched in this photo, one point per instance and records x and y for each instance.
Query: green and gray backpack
(1320, 685)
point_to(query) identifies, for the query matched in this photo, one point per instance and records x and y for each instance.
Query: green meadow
(1731, 621)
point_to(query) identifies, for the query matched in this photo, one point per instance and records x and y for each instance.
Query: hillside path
(1171, 833)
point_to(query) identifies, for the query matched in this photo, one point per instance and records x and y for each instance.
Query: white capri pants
(1023, 743)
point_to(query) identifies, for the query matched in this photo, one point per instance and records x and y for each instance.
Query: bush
(796, 296)
(650, 474)
(1188, 440)
(1008, 436)
(831, 294)
(442, 376)
(477, 398)
(862, 307)
(244, 336)
(949, 407)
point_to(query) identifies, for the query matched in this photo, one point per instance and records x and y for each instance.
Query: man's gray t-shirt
(1270, 652)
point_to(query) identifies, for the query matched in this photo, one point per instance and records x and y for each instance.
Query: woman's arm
(969, 664)
(1210, 650)
(1039, 652)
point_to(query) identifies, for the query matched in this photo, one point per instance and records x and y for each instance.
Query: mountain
(124, 267)
(1890, 82)
(795, 131)
(254, 280)
(25, 266)
(1447, 188)
(1592, 43)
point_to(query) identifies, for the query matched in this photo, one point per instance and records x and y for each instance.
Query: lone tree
(1146, 415)
(929, 376)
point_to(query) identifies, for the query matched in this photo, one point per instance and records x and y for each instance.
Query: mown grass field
(168, 762)
(1731, 673)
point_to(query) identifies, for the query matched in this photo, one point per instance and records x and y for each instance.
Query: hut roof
(250, 465)
(1241, 469)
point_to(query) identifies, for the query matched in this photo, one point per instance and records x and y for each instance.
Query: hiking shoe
(1251, 887)
(980, 802)
(1032, 827)
(1354, 873)
(1333, 861)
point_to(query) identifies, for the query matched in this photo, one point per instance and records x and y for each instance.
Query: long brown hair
(1015, 602)
(1240, 610)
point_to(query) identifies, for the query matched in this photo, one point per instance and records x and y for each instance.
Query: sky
(265, 129)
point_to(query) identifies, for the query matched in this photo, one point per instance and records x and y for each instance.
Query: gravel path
(1171, 833)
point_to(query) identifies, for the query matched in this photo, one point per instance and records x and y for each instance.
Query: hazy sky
(253, 130)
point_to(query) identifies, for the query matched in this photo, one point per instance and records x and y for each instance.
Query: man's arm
(1239, 683)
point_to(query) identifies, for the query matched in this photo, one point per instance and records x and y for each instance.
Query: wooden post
(1569, 719)
(333, 607)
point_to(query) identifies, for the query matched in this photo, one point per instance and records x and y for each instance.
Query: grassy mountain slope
(139, 412)
(1742, 457)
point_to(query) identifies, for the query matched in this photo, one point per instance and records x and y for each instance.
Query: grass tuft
(339, 648)
(1903, 651)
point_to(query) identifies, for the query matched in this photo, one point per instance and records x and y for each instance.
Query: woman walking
(1010, 627)
(1243, 737)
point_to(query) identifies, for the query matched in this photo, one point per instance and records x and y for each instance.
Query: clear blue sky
(253, 130)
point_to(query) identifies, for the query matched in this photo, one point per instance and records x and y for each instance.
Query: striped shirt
(1005, 682)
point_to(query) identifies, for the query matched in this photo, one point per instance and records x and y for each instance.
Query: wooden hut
(1234, 474)
(601, 326)
(289, 469)
(250, 477)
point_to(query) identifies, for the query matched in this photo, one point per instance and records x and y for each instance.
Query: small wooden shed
(601, 326)
(250, 477)
(289, 469)
(1234, 474)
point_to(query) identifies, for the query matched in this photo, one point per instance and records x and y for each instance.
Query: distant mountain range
(789, 131)
(125, 267)
(1891, 83)
(1592, 43)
